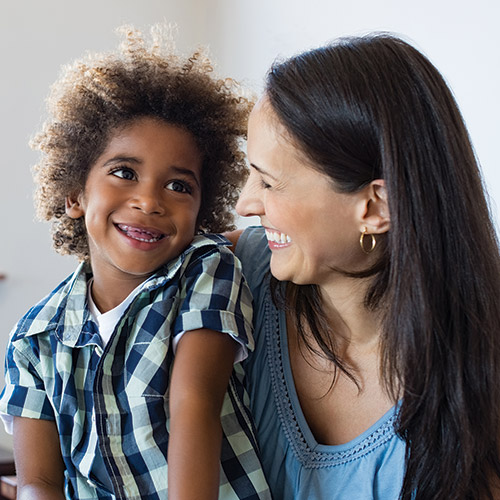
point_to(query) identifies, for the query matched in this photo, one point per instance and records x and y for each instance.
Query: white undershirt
(107, 321)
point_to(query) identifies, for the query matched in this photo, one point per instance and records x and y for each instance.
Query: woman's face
(311, 228)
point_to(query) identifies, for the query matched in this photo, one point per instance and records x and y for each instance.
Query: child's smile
(145, 234)
(140, 203)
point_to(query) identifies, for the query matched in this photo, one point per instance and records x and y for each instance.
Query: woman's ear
(375, 216)
(73, 206)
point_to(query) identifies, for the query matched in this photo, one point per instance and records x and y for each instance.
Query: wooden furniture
(7, 479)
(8, 487)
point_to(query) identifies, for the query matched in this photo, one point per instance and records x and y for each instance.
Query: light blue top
(296, 465)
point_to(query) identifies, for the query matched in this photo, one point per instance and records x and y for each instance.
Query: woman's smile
(277, 239)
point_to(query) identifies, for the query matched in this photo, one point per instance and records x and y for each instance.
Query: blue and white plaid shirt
(57, 369)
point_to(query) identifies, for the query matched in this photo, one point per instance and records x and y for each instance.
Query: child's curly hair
(101, 92)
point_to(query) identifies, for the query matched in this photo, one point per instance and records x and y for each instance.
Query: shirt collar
(66, 312)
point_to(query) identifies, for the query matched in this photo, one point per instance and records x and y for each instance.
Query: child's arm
(39, 464)
(202, 366)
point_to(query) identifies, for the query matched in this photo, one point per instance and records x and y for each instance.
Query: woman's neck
(347, 314)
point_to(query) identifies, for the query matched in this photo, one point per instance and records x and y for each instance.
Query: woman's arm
(39, 463)
(202, 366)
(233, 237)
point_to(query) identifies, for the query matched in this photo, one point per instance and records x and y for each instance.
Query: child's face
(141, 200)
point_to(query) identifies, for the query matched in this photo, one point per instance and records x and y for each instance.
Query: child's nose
(148, 200)
(250, 202)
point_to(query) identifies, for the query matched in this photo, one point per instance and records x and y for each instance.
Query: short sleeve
(215, 296)
(24, 393)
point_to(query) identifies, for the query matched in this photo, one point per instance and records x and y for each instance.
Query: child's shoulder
(204, 245)
(47, 313)
(207, 254)
(212, 245)
(214, 240)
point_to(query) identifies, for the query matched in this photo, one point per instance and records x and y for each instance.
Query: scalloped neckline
(303, 443)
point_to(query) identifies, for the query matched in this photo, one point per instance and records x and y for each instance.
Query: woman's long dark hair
(374, 107)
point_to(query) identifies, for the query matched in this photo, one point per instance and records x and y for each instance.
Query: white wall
(460, 37)
(36, 37)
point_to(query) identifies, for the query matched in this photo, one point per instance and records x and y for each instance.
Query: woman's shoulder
(251, 248)
(250, 243)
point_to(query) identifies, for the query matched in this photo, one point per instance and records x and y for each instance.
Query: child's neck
(107, 295)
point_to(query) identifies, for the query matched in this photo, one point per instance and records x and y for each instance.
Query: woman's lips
(277, 239)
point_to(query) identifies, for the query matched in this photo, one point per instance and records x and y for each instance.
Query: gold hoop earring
(362, 242)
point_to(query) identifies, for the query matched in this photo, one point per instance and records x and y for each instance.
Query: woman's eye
(179, 187)
(124, 173)
(264, 184)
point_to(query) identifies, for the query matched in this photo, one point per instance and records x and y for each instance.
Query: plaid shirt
(57, 369)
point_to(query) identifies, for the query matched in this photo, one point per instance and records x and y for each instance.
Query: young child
(140, 160)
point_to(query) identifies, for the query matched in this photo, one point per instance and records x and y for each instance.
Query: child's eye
(124, 173)
(179, 187)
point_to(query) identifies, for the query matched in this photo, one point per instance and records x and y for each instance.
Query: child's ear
(375, 214)
(73, 206)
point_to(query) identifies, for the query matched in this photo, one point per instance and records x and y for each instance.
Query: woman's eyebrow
(262, 171)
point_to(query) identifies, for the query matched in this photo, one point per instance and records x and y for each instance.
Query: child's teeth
(143, 239)
(139, 234)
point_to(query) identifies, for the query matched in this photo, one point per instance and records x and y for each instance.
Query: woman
(376, 373)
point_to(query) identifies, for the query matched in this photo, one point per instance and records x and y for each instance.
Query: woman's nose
(250, 201)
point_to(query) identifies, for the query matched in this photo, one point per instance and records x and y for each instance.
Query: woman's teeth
(277, 237)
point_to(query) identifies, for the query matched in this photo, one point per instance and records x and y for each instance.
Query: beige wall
(36, 37)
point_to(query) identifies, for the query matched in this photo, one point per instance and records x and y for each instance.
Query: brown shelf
(8, 487)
